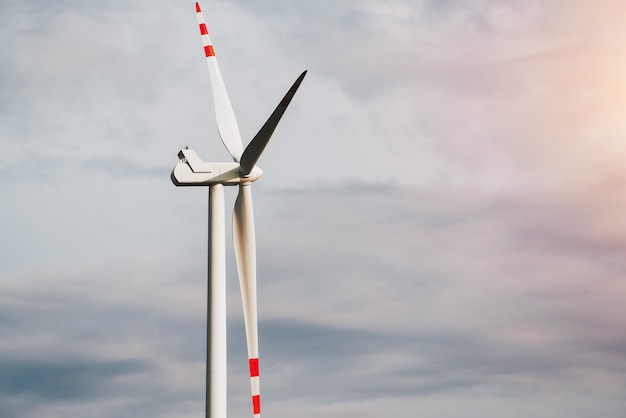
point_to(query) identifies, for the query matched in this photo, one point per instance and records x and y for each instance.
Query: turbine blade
(255, 148)
(226, 122)
(245, 253)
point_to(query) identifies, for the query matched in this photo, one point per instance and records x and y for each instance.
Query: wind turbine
(191, 170)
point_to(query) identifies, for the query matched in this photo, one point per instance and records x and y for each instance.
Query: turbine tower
(191, 170)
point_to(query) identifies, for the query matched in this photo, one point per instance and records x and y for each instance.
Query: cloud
(439, 224)
(436, 314)
(61, 381)
(446, 285)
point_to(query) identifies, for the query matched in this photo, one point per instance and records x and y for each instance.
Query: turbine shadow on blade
(191, 170)
(255, 148)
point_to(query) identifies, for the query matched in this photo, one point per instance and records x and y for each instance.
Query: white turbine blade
(245, 253)
(226, 122)
(257, 145)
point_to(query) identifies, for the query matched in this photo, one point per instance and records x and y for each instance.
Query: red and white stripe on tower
(256, 390)
(206, 40)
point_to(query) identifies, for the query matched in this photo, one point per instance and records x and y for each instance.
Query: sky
(441, 225)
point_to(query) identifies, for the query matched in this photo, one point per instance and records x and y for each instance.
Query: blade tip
(198, 8)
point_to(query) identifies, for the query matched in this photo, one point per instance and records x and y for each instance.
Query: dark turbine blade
(255, 148)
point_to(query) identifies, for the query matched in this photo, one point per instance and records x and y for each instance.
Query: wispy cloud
(439, 226)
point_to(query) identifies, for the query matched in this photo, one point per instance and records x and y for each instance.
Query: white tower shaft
(216, 382)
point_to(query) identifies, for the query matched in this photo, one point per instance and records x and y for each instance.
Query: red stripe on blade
(254, 367)
(208, 51)
(256, 404)
(203, 29)
(198, 8)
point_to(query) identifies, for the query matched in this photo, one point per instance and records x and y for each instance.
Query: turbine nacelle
(191, 170)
